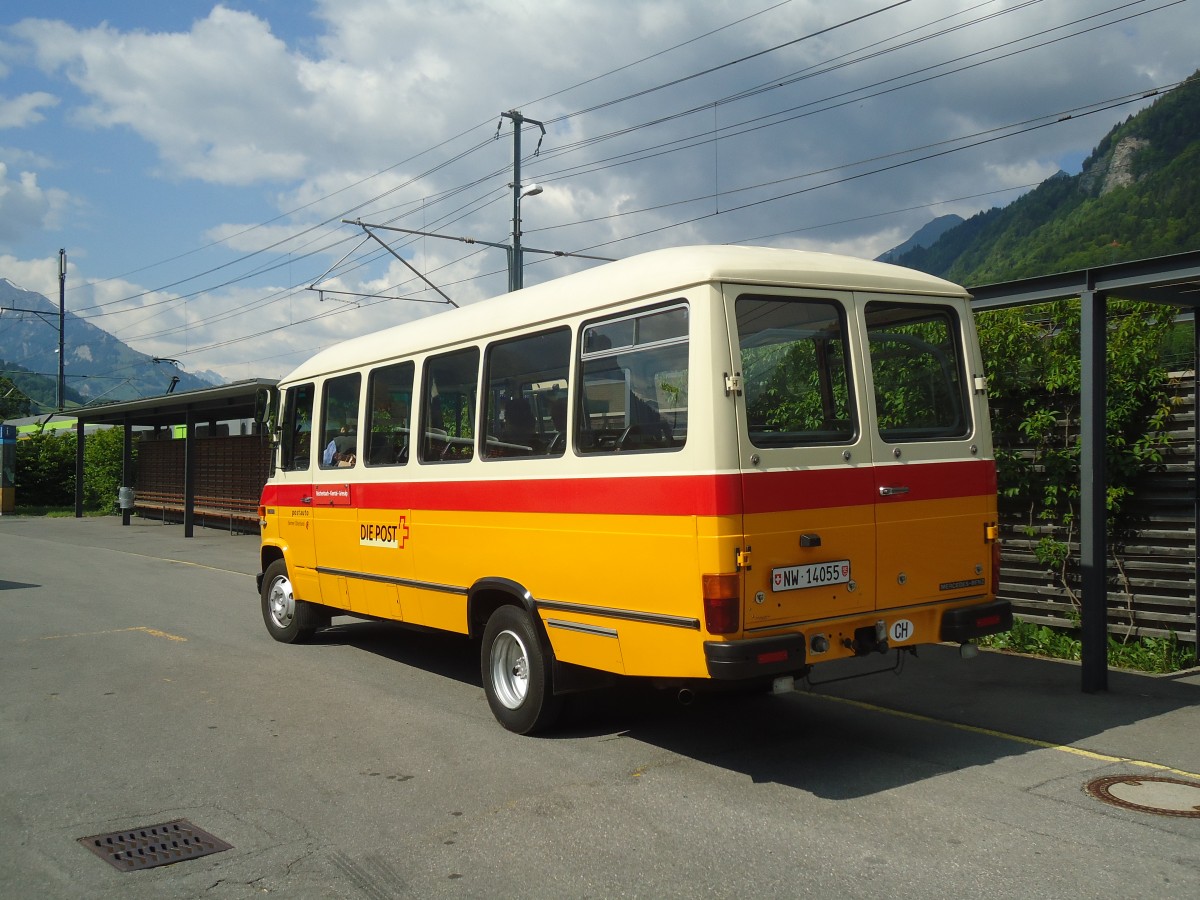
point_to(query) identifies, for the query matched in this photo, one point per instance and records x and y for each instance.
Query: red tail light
(722, 603)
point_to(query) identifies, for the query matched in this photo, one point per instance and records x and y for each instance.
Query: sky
(195, 160)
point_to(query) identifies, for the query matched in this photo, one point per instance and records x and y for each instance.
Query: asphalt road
(140, 686)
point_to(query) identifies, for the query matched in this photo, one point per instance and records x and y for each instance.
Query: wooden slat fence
(230, 473)
(1151, 571)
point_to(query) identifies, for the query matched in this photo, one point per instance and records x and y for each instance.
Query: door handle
(892, 491)
(306, 499)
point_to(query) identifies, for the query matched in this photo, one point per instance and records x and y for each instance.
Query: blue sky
(194, 159)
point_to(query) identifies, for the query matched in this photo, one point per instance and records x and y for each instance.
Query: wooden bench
(231, 510)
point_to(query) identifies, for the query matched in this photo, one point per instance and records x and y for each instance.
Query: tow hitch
(869, 639)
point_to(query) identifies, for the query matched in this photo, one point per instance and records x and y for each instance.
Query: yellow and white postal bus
(697, 464)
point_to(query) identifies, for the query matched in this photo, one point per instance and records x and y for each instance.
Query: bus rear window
(916, 363)
(795, 374)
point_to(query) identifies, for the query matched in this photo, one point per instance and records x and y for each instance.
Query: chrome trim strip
(626, 614)
(580, 626)
(399, 582)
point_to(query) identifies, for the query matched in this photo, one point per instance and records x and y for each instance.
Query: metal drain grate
(1148, 793)
(154, 845)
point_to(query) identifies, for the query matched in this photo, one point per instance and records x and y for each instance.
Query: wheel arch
(487, 595)
(268, 554)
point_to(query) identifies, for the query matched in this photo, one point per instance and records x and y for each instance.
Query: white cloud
(25, 109)
(25, 205)
(353, 106)
(221, 103)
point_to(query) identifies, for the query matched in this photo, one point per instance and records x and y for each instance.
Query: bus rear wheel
(288, 620)
(516, 673)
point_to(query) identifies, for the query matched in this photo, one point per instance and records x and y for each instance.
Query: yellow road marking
(153, 632)
(1015, 738)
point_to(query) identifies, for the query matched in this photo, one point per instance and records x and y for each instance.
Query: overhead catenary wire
(353, 209)
(267, 268)
(367, 203)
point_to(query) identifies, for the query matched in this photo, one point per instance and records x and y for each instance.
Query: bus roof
(644, 275)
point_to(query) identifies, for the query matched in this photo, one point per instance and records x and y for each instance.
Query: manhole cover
(1148, 793)
(154, 845)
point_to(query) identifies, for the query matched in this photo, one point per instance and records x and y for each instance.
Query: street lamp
(516, 276)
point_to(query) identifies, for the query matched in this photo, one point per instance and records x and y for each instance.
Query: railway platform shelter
(1172, 280)
(213, 473)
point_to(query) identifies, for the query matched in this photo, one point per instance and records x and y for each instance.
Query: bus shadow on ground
(855, 738)
(439, 652)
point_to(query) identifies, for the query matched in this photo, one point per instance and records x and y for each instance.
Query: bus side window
(296, 431)
(795, 371)
(526, 381)
(388, 424)
(339, 421)
(635, 383)
(448, 396)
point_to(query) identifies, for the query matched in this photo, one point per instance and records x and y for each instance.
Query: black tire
(517, 674)
(288, 620)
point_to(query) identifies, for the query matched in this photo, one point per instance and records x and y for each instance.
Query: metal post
(79, 468)
(189, 474)
(1196, 474)
(516, 278)
(516, 261)
(1093, 546)
(60, 397)
(126, 465)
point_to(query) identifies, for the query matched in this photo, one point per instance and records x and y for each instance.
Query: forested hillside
(1138, 196)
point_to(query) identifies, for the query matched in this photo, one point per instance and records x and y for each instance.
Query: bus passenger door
(805, 458)
(290, 491)
(335, 513)
(934, 473)
(384, 546)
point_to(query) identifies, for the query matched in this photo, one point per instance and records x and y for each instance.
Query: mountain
(924, 237)
(97, 365)
(1138, 196)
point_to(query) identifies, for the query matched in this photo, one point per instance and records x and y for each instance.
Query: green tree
(102, 453)
(1033, 366)
(46, 469)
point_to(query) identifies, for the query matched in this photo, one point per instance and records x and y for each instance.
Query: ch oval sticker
(902, 630)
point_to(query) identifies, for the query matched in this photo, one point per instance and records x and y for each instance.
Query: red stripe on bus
(666, 495)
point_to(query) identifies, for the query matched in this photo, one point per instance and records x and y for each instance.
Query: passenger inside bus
(520, 428)
(342, 450)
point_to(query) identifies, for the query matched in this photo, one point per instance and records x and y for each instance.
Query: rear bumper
(967, 622)
(736, 660)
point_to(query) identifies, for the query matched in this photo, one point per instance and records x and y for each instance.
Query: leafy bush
(46, 469)
(1144, 654)
(102, 469)
(45, 475)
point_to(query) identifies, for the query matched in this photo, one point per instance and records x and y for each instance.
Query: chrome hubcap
(281, 602)
(510, 669)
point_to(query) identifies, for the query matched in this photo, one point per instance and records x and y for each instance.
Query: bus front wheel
(289, 621)
(516, 673)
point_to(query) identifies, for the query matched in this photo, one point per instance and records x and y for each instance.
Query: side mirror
(264, 406)
(266, 409)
